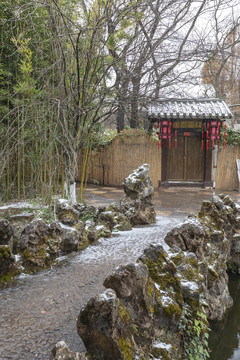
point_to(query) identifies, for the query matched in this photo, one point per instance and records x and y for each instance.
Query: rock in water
(137, 204)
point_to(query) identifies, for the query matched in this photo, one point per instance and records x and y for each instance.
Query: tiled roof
(198, 109)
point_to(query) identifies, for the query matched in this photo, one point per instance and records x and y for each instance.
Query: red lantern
(164, 132)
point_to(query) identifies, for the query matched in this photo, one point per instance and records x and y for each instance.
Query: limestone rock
(137, 204)
(137, 292)
(70, 241)
(39, 244)
(107, 218)
(6, 260)
(86, 212)
(90, 231)
(114, 207)
(19, 221)
(66, 213)
(122, 223)
(112, 218)
(62, 352)
(34, 234)
(138, 184)
(211, 238)
(189, 236)
(6, 233)
(105, 328)
(103, 231)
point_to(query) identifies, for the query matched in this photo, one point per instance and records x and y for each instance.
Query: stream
(224, 340)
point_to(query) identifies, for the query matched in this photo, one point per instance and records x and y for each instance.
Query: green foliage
(86, 215)
(4, 91)
(102, 136)
(232, 136)
(193, 326)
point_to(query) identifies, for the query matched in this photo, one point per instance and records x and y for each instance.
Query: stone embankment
(158, 307)
(37, 244)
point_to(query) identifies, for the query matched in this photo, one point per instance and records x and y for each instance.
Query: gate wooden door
(187, 162)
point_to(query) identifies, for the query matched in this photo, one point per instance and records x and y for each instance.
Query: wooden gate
(187, 162)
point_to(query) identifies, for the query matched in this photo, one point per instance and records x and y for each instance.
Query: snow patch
(162, 345)
(190, 285)
(17, 206)
(106, 296)
(17, 257)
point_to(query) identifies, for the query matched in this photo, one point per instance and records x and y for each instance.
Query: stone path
(43, 308)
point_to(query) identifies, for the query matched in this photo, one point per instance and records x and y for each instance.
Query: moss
(126, 348)
(212, 275)
(178, 258)
(160, 353)
(233, 268)
(5, 251)
(172, 309)
(9, 278)
(123, 313)
(38, 260)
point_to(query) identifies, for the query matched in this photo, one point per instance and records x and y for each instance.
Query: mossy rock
(38, 260)
(8, 266)
(122, 223)
(162, 351)
(103, 231)
(6, 259)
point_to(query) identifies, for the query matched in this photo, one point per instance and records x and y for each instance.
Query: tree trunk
(120, 119)
(134, 121)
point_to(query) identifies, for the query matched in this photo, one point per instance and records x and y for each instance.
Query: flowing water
(224, 339)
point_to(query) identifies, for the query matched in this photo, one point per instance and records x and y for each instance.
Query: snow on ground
(127, 246)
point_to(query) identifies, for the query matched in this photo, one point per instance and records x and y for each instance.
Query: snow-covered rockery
(137, 204)
(38, 241)
(158, 307)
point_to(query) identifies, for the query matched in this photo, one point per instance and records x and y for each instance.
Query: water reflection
(224, 339)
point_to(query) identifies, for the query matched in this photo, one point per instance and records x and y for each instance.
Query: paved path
(43, 308)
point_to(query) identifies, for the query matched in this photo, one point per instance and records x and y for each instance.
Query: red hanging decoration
(164, 132)
(224, 142)
(158, 133)
(169, 134)
(207, 143)
(176, 135)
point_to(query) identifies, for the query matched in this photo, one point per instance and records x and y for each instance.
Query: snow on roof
(189, 109)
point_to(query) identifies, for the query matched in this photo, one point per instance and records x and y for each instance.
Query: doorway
(186, 163)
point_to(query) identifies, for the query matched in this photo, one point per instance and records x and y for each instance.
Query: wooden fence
(130, 149)
(227, 178)
(112, 163)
